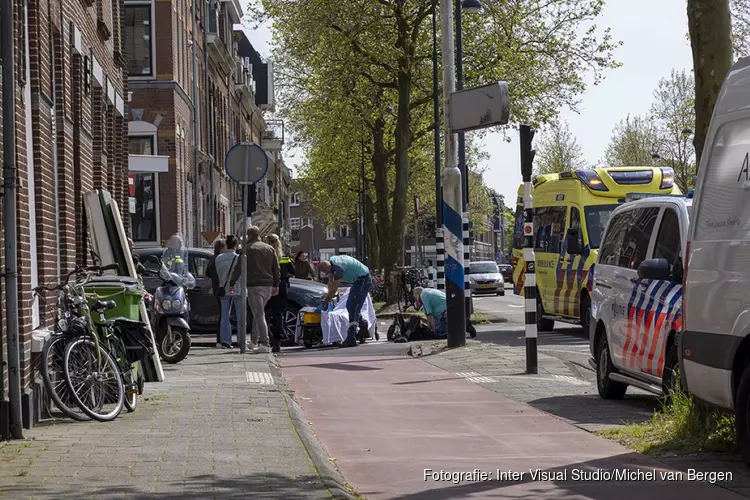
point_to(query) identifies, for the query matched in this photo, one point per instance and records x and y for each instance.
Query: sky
(654, 36)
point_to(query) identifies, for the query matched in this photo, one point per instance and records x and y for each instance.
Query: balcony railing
(272, 138)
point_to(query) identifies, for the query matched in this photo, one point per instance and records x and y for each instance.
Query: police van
(636, 298)
(715, 343)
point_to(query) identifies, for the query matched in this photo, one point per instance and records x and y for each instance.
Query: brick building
(70, 138)
(197, 87)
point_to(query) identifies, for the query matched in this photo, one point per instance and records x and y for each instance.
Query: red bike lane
(399, 428)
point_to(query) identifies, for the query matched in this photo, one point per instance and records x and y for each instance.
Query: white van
(715, 346)
(636, 299)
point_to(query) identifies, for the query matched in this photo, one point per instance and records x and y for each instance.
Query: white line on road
(570, 380)
(261, 378)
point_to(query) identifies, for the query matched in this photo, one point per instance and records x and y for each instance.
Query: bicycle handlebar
(77, 270)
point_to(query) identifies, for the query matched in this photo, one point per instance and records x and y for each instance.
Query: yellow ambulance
(571, 210)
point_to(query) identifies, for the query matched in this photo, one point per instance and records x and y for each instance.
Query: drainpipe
(9, 220)
(55, 171)
(207, 90)
(196, 123)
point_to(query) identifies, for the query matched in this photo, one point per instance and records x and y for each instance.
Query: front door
(574, 263)
(549, 224)
(630, 290)
(204, 308)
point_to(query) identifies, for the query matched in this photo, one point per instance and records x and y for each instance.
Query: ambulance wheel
(742, 416)
(608, 389)
(586, 313)
(542, 324)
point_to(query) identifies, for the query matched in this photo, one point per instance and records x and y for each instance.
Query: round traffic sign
(246, 163)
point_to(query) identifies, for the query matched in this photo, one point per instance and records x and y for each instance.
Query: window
(199, 265)
(309, 222)
(575, 223)
(330, 233)
(483, 268)
(143, 222)
(345, 231)
(138, 40)
(294, 199)
(549, 223)
(668, 242)
(626, 242)
(141, 144)
(151, 262)
(294, 223)
(596, 220)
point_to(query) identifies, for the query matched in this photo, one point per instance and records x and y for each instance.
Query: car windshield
(483, 268)
(596, 220)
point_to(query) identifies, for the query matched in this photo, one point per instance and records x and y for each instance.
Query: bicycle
(97, 365)
(409, 279)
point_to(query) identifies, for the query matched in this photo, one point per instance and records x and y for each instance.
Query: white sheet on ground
(335, 324)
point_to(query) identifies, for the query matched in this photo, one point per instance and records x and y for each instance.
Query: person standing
(219, 247)
(302, 267)
(228, 299)
(278, 303)
(263, 277)
(348, 269)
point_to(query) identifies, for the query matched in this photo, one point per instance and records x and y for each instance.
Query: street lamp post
(439, 245)
(471, 6)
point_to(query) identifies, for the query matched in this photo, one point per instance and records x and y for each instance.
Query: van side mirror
(654, 269)
(573, 241)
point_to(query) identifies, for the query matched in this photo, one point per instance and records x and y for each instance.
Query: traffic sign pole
(527, 159)
(246, 164)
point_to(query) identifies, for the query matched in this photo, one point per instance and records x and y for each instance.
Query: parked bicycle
(92, 366)
(379, 289)
(409, 279)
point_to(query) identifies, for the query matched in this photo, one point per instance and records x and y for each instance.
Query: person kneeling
(434, 304)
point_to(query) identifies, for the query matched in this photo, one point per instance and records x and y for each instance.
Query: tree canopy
(360, 72)
(634, 141)
(558, 150)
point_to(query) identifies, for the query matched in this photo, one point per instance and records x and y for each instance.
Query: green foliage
(359, 72)
(680, 425)
(674, 114)
(634, 141)
(558, 150)
(740, 10)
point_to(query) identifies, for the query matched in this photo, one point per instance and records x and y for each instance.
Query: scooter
(170, 314)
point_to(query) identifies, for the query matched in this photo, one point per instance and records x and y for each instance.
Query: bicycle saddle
(104, 305)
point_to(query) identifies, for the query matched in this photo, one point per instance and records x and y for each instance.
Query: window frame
(538, 228)
(140, 131)
(294, 199)
(330, 233)
(292, 225)
(657, 234)
(152, 38)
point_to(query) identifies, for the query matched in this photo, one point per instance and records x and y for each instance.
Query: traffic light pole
(452, 199)
(527, 159)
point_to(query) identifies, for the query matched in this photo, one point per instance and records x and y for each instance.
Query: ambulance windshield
(596, 220)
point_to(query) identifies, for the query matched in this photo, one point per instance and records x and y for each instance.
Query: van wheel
(542, 324)
(742, 416)
(608, 389)
(671, 376)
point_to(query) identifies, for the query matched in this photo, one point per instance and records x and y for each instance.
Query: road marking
(261, 378)
(570, 380)
(476, 378)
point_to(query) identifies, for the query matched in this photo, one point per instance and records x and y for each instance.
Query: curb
(328, 472)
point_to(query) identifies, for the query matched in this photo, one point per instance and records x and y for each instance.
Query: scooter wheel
(177, 350)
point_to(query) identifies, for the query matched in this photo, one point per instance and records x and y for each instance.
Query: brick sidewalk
(206, 432)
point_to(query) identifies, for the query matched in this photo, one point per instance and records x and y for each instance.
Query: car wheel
(542, 324)
(608, 389)
(742, 415)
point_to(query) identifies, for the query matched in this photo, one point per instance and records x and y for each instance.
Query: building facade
(70, 137)
(197, 87)
(320, 241)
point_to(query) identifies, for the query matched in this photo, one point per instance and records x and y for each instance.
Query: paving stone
(198, 435)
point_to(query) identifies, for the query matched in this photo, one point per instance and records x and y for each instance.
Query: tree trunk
(373, 250)
(711, 40)
(380, 166)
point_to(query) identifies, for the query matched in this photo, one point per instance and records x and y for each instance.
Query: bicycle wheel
(131, 390)
(95, 380)
(54, 377)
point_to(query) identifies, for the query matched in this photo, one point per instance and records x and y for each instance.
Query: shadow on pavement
(251, 485)
(347, 367)
(412, 382)
(591, 409)
(587, 486)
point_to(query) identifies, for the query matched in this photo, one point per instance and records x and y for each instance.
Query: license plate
(310, 318)
(486, 286)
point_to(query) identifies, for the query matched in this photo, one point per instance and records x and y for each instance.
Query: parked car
(636, 298)
(714, 345)
(204, 306)
(485, 277)
(507, 271)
